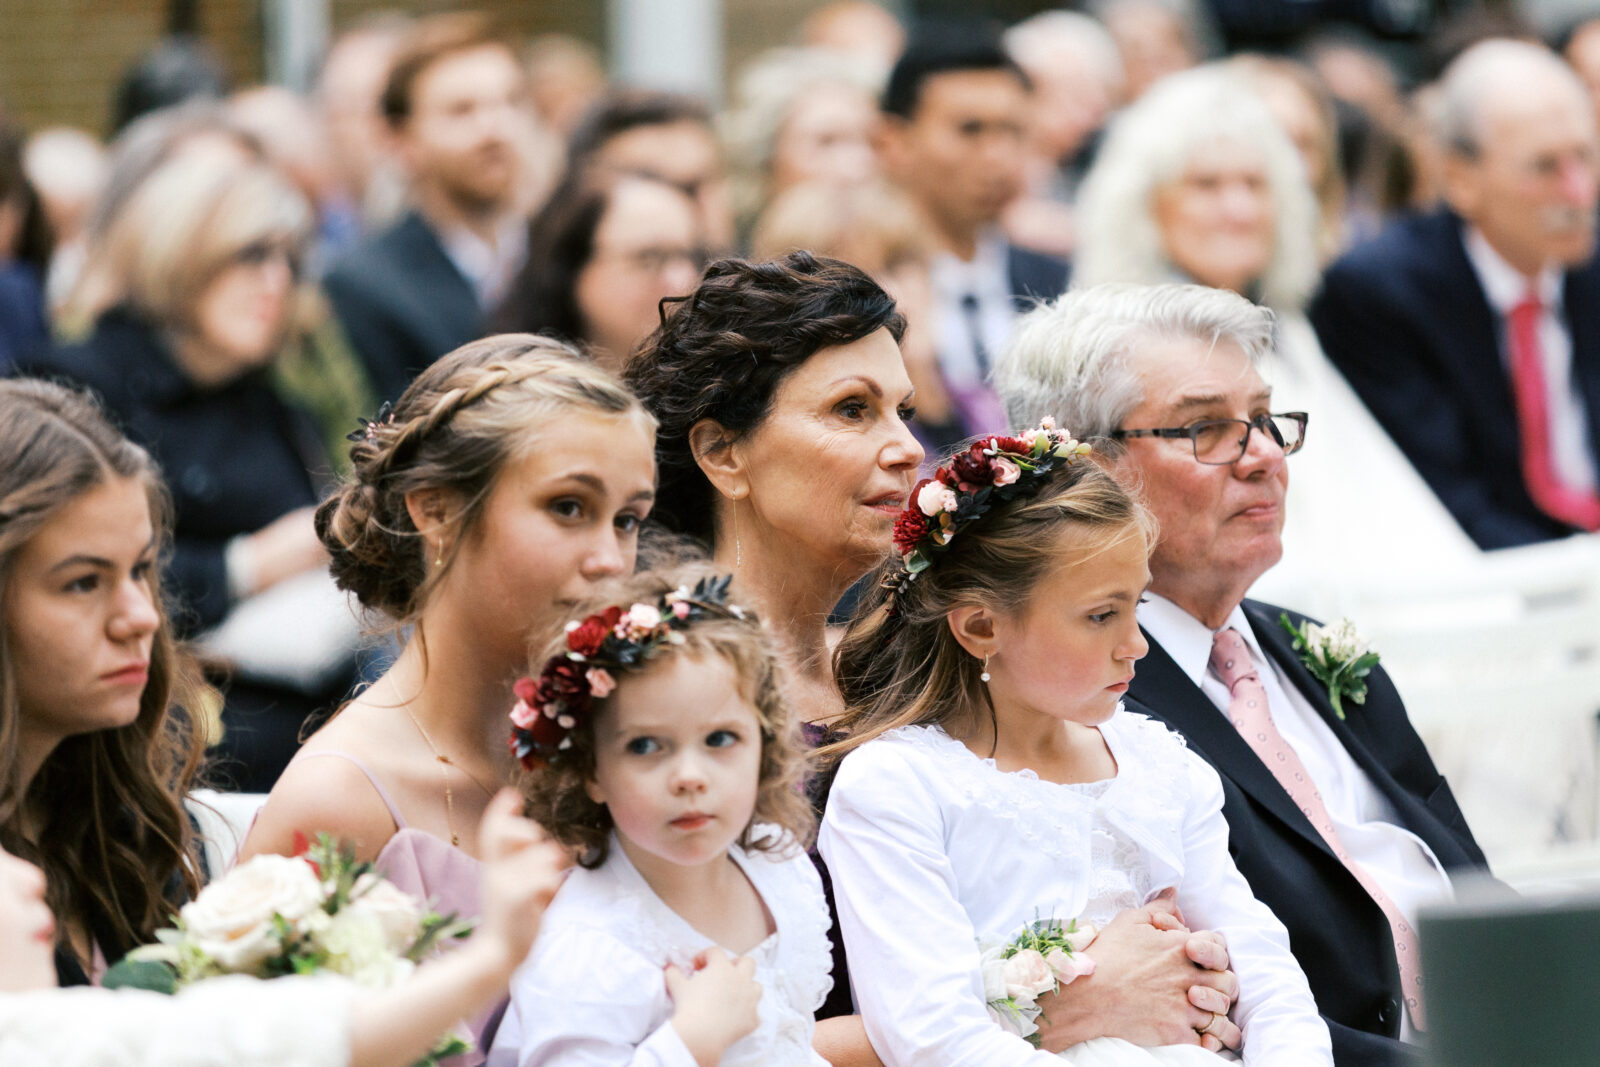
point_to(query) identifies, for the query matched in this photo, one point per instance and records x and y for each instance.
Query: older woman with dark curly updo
(782, 401)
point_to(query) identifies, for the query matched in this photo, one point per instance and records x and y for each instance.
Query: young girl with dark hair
(660, 749)
(989, 779)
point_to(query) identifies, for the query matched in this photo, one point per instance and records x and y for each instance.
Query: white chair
(224, 820)
(1501, 677)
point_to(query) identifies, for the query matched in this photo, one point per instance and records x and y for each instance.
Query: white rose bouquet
(1045, 956)
(317, 912)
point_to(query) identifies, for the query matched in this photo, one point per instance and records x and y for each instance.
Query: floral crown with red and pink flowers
(599, 647)
(991, 469)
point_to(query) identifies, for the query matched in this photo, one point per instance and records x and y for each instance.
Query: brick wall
(60, 59)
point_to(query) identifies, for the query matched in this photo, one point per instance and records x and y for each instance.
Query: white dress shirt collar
(1503, 284)
(1188, 640)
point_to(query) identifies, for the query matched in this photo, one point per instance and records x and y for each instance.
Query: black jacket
(1407, 322)
(403, 303)
(1337, 933)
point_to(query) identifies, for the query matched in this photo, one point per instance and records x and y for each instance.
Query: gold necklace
(444, 774)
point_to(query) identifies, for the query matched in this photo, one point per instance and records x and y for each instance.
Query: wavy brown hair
(453, 429)
(556, 795)
(899, 664)
(106, 808)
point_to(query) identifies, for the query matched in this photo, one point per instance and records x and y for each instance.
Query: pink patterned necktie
(1230, 659)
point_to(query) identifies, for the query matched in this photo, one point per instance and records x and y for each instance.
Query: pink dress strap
(383, 794)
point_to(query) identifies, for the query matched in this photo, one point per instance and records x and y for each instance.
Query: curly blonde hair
(556, 794)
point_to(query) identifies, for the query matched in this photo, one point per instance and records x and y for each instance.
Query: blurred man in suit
(408, 295)
(1473, 333)
(955, 111)
(1338, 819)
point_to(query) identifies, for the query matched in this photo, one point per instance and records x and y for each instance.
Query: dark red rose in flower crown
(909, 528)
(562, 682)
(972, 466)
(589, 634)
(533, 744)
(1015, 445)
(546, 732)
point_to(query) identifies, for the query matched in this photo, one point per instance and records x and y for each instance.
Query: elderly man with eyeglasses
(1337, 816)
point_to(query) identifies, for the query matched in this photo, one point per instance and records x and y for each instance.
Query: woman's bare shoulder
(329, 788)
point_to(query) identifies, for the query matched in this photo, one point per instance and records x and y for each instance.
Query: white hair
(1487, 71)
(1069, 358)
(1151, 143)
(1057, 36)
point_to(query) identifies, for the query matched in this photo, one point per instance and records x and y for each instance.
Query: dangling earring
(984, 677)
(738, 549)
(438, 558)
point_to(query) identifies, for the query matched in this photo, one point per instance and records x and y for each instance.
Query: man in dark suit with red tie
(1473, 333)
(1338, 820)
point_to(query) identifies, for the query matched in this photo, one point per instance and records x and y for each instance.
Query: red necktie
(1248, 711)
(1557, 499)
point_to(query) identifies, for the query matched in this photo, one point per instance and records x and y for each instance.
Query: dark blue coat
(1407, 322)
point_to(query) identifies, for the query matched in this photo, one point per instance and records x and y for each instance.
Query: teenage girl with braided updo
(509, 477)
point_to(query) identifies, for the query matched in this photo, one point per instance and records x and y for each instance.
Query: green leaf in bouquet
(129, 973)
(452, 1044)
(437, 928)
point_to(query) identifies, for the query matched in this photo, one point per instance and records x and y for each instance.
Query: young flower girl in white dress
(659, 747)
(992, 780)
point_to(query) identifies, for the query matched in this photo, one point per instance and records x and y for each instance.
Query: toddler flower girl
(694, 930)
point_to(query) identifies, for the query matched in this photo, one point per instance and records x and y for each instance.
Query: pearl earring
(984, 677)
(438, 558)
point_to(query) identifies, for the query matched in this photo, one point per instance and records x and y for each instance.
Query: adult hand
(1145, 986)
(283, 548)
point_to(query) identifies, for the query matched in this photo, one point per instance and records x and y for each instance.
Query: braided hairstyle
(723, 352)
(453, 429)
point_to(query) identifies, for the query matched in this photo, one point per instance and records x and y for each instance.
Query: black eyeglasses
(1219, 442)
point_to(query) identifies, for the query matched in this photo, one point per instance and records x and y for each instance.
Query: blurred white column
(667, 44)
(295, 35)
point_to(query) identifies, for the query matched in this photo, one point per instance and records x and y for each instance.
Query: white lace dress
(223, 1022)
(592, 991)
(933, 850)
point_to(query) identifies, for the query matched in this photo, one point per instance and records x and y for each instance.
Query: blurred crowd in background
(241, 271)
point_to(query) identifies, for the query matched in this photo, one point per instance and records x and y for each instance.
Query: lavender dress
(433, 870)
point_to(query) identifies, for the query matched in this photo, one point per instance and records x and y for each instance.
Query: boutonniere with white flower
(1337, 656)
(1045, 956)
(318, 912)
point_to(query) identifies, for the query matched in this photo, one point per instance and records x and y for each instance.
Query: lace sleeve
(224, 1022)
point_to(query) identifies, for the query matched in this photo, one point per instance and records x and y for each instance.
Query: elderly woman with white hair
(1197, 182)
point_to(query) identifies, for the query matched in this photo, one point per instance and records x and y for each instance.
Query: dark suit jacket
(1034, 277)
(1336, 931)
(1404, 317)
(403, 303)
